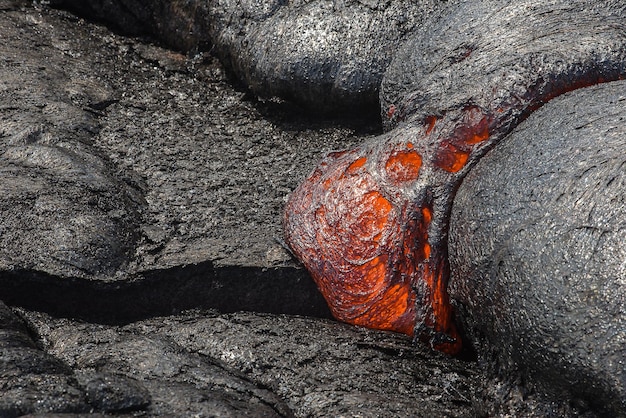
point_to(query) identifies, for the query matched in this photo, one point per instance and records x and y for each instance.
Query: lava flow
(371, 224)
(362, 224)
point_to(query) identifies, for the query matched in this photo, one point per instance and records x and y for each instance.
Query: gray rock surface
(325, 55)
(198, 173)
(166, 184)
(320, 368)
(495, 54)
(537, 250)
(35, 382)
(116, 149)
(64, 211)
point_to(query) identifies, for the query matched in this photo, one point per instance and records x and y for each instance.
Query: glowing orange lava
(451, 158)
(375, 239)
(367, 253)
(403, 166)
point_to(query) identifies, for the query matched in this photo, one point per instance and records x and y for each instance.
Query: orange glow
(377, 249)
(403, 166)
(442, 310)
(364, 252)
(427, 215)
(394, 311)
(355, 278)
(371, 280)
(479, 136)
(474, 129)
(450, 158)
(380, 204)
(356, 165)
(426, 250)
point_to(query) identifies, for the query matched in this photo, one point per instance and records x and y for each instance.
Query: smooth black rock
(63, 211)
(113, 393)
(537, 251)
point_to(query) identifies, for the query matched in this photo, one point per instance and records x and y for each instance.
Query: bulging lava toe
(344, 229)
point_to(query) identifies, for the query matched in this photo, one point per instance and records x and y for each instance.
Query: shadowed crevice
(165, 292)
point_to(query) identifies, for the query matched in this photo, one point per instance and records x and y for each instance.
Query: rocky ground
(196, 172)
(142, 271)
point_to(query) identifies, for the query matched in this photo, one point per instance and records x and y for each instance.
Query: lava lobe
(371, 224)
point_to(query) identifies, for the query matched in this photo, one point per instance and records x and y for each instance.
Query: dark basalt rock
(250, 364)
(64, 213)
(537, 251)
(180, 24)
(324, 55)
(213, 170)
(117, 374)
(491, 53)
(36, 382)
(119, 198)
(185, 179)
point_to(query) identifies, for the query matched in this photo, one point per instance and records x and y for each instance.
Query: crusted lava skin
(371, 224)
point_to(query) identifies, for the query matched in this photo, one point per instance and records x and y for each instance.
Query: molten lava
(371, 224)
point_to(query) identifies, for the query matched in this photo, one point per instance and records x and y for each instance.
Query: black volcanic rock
(65, 212)
(139, 134)
(324, 55)
(537, 250)
(36, 382)
(491, 53)
(252, 364)
(139, 183)
(124, 163)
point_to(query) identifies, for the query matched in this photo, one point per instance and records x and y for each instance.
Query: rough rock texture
(166, 186)
(371, 223)
(56, 187)
(197, 174)
(33, 381)
(117, 149)
(490, 53)
(326, 55)
(538, 255)
(319, 368)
